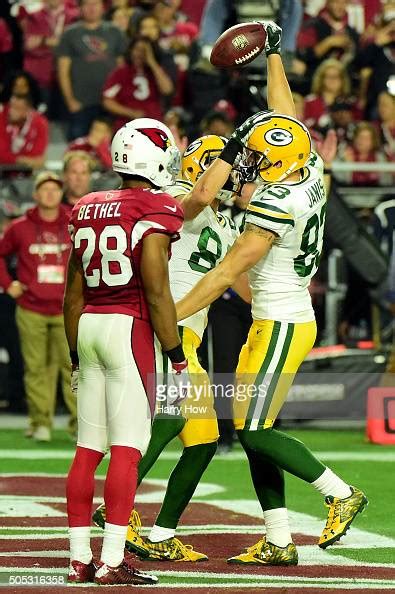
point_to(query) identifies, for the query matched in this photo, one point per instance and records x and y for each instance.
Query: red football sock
(121, 483)
(80, 486)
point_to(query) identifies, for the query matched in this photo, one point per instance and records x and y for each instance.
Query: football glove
(75, 371)
(273, 38)
(178, 378)
(243, 132)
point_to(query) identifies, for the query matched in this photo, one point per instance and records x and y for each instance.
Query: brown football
(238, 45)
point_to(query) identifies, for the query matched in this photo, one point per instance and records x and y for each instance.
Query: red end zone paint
(218, 546)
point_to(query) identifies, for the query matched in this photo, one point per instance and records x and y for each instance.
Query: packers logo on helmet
(278, 137)
(276, 148)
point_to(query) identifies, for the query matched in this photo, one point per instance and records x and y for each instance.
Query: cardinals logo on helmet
(158, 137)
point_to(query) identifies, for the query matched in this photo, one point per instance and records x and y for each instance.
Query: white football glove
(178, 383)
(75, 371)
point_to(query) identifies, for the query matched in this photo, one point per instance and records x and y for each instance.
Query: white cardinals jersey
(204, 242)
(295, 212)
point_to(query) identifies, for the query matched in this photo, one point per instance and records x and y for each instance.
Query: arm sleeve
(269, 212)
(167, 218)
(181, 187)
(64, 47)
(8, 246)
(316, 162)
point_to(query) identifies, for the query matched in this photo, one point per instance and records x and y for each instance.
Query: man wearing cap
(41, 243)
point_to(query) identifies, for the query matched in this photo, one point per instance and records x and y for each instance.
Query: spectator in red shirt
(23, 133)
(96, 143)
(42, 31)
(327, 36)
(330, 82)
(41, 243)
(365, 148)
(136, 89)
(77, 174)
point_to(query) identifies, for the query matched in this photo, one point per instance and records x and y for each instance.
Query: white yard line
(234, 580)
(50, 454)
(309, 555)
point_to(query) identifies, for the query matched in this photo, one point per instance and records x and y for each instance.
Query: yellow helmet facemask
(276, 148)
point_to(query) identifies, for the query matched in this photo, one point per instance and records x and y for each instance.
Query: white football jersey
(295, 211)
(204, 242)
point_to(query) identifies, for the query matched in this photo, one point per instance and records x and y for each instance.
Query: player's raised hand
(243, 132)
(273, 38)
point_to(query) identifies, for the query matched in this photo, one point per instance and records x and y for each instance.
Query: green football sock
(268, 480)
(164, 429)
(183, 481)
(285, 451)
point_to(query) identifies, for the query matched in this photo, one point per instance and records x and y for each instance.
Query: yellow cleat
(172, 549)
(340, 515)
(266, 553)
(134, 542)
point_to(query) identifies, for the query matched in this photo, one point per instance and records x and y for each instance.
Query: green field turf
(374, 476)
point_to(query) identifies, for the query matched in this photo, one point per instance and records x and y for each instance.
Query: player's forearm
(72, 311)
(207, 290)
(279, 96)
(210, 183)
(163, 318)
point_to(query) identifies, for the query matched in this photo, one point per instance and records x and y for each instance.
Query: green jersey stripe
(267, 218)
(262, 371)
(269, 207)
(277, 373)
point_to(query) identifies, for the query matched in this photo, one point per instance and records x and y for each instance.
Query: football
(238, 45)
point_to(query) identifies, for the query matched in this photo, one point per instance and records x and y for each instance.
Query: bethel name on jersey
(295, 212)
(108, 229)
(204, 242)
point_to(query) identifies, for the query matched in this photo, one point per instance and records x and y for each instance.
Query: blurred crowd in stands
(79, 69)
